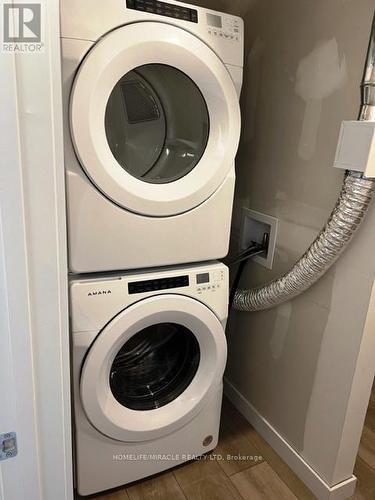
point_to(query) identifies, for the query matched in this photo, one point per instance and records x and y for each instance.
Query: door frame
(34, 353)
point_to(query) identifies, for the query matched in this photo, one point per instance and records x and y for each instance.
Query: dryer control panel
(164, 9)
(224, 27)
(222, 32)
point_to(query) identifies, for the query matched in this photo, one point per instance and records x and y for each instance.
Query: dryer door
(153, 368)
(154, 118)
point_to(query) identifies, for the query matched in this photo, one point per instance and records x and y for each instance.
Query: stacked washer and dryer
(152, 125)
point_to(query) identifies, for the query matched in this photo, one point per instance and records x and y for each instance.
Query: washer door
(152, 368)
(155, 118)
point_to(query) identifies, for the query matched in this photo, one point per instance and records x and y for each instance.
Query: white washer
(152, 125)
(149, 352)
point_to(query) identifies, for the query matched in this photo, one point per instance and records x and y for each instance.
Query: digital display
(164, 9)
(203, 278)
(214, 21)
(158, 284)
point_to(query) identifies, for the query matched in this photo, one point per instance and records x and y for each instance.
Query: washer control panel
(225, 27)
(205, 282)
(158, 284)
(96, 299)
(210, 281)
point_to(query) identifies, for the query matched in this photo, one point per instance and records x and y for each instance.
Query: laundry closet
(186, 227)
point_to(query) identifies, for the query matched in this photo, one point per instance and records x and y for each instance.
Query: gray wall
(295, 364)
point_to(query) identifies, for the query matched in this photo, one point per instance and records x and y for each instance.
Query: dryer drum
(157, 123)
(140, 105)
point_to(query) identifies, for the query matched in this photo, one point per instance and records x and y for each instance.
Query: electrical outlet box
(356, 147)
(253, 226)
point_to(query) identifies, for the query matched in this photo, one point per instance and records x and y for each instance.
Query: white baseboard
(315, 483)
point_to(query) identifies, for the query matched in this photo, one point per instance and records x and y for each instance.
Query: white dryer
(149, 352)
(152, 126)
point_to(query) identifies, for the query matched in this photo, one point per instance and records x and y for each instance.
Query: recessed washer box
(254, 225)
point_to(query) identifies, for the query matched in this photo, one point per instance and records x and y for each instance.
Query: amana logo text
(99, 292)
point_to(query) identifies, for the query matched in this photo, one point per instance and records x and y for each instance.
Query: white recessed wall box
(253, 227)
(356, 147)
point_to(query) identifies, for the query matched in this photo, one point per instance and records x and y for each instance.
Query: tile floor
(263, 477)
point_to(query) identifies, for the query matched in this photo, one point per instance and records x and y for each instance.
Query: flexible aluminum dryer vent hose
(351, 207)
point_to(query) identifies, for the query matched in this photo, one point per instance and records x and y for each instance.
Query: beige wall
(303, 65)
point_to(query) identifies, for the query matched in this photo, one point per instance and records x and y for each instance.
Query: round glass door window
(157, 123)
(154, 366)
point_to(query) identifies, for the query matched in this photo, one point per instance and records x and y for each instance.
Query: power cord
(242, 259)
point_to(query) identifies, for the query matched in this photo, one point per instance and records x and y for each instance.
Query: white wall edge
(34, 321)
(295, 461)
(360, 393)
